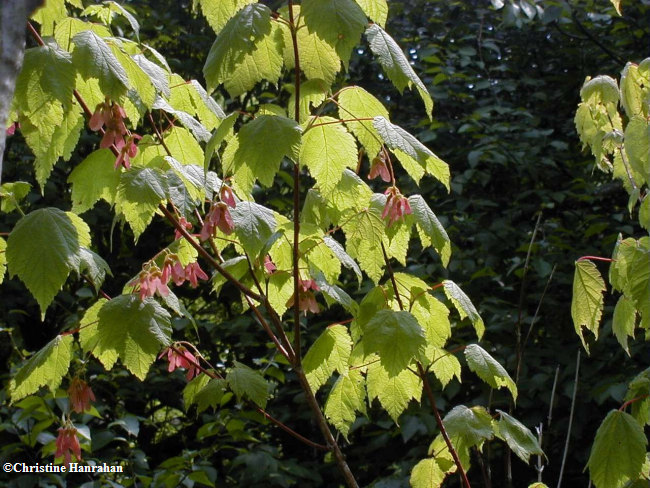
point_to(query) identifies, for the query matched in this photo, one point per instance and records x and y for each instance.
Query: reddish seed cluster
(269, 266)
(110, 116)
(217, 218)
(11, 130)
(68, 444)
(306, 299)
(180, 357)
(397, 206)
(80, 395)
(153, 280)
(185, 224)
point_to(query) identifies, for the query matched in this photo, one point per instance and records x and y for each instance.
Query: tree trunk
(13, 15)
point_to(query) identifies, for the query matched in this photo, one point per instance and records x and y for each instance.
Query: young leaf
(427, 474)
(327, 149)
(473, 424)
(587, 299)
(396, 337)
(338, 22)
(246, 382)
(464, 306)
(134, 330)
(93, 179)
(329, 353)
(44, 268)
(46, 367)
(357, 103)
(140, 192)
(93, 58)
(624, 321)
(430, 229)
(183, 146)
(393, 391)
(396, 65)
(488, 369)
(254, 225)
(345, 399)
(312, 94)
(618, 452)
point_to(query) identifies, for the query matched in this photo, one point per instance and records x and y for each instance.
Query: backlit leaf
(327, 149)
(139, 193)
(329, 353)
(248, 383)
(396, 337)
(346, 398)
(134, 330)
(618, 452)
(587, 299)
(427, 474)
(518, 437)
(430, 229)
(44, 269)
(46, 367)
(376, 10)
(93, 179)
(357, 103)
(624, 321)
(464, 306)
(218, 12)
(488, 369)
(394, 392)
(396, 65)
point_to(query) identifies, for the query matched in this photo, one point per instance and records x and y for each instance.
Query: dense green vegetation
(524, 204)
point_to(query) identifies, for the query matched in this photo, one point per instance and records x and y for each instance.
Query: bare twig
(568, 434)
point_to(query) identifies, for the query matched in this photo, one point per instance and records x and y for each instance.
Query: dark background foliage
(506, 85)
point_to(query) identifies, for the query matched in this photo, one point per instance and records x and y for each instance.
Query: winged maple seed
(180, 357)
(397, 205)
(80, 395)
(218, 217)
(306, 298)
(68, 444)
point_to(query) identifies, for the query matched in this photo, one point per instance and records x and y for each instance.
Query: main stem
(297, 362)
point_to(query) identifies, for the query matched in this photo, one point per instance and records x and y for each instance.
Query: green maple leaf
(412, 152)
(427, 474)
(338, 22)
(46, 367)
(357, 103)
(3, 259)
(219, 13)
(94, 179)
(193, 388)
(444, 365)
(396, 337)
(254, 225)
(488, 369)
(346, 398)
(464, 306)
(329, 353)
(396, 65)
(132, 329)
(44, 269)
(624, 321)
(89, 338)
(93, 58)
(394, 392)
(376, 10)
(246, 382)
(474, 424)
(236, 39)
(139, 193)
(264, 142)
(518, 437)
(327, 149)
(430, 229)
(587, 299)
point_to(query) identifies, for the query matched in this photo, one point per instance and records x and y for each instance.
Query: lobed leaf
(587, 299)
(94, 179)
(254, 225)
(346, 398)
(394, 391)
(246, 382)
